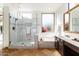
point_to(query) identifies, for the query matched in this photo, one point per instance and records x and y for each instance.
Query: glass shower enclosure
(23, 32)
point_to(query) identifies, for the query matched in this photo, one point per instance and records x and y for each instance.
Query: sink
(67, 36)
(75, 39)
(70, 37)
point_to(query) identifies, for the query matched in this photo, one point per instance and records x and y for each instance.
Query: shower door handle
(13, 28)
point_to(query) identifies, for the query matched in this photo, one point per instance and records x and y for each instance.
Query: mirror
(66, 21)
(71, 20)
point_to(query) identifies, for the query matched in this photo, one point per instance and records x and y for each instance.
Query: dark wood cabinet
(59, 45)
(70, 50)
(56, 43)
(65, 48)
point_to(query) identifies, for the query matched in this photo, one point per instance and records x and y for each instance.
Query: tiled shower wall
(21, 27)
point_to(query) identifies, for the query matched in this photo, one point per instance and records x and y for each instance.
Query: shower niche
(23, 33)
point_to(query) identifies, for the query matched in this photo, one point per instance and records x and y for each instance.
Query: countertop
(75, 43)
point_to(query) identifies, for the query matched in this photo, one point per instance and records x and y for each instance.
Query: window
(47, 22)
(27, 15)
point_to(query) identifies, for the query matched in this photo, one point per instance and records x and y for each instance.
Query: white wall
(59, 19)
(5, 27)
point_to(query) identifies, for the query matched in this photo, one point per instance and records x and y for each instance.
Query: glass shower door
(25, 34)
(1, 27)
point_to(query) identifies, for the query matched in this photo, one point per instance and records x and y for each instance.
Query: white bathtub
(47, 42)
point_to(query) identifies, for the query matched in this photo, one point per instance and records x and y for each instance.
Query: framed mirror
(66, 21)
(71, 20)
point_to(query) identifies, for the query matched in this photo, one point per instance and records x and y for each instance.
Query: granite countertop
(69, 40)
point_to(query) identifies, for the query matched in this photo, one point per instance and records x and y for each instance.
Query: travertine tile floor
(30, 52)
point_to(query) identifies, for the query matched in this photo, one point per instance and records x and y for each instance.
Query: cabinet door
(57, 43)
(61, 46)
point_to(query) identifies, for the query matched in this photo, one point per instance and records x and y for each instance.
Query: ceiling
(35, 6)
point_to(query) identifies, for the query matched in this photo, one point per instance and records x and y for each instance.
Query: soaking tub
(47, 42)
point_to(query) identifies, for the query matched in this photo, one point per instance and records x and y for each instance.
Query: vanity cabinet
(56, 43)
(66, 48)
(59, 45)
(70, 50)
